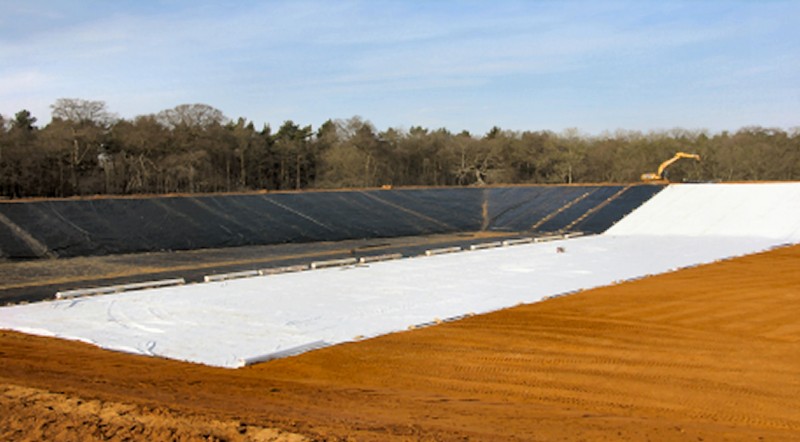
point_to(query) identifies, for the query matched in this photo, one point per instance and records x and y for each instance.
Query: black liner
(69, 228)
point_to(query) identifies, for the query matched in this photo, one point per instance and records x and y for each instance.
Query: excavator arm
(658, 176)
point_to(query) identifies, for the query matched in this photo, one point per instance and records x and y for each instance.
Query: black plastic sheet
(69, 228)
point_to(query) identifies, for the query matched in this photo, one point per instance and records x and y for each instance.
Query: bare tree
(78, 111)
(191, 116)
(84, 123)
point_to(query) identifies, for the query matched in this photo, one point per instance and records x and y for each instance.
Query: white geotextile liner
(760, 209)
(227, 323)
(224, 323)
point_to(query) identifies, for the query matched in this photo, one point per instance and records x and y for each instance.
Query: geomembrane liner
(104, 226)
(231, 323)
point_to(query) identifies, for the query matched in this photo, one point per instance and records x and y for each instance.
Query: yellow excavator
(659, 176)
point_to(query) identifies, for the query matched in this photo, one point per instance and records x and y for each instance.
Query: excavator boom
(659, 176)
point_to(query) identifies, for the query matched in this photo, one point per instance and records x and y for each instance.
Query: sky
(460, 65)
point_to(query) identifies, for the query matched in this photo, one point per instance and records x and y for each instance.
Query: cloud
(394, 58)
(23, 82)
(336, 42)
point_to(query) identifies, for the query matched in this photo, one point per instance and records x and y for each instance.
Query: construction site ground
(704, 354)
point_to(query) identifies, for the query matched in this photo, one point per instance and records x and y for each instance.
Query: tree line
(87, 150)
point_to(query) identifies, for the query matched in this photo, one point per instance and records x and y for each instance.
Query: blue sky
(461, 65)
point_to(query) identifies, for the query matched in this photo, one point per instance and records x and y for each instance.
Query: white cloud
(394, 58)
(23, 82)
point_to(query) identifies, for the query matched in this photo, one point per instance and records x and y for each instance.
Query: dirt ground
(705, 354)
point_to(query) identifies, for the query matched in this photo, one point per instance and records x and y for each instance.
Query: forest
(87, 150)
